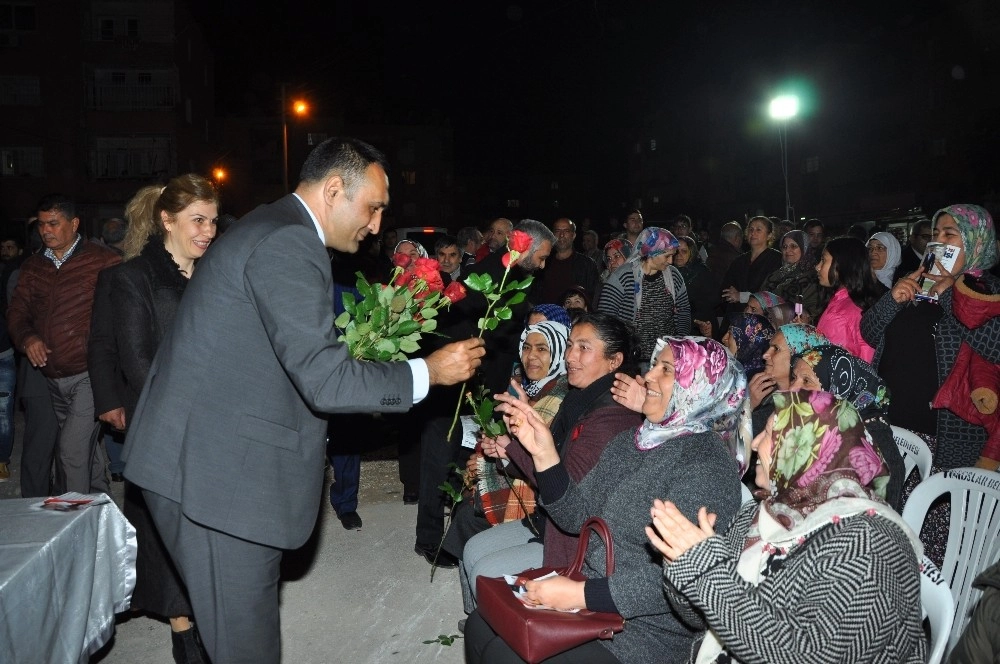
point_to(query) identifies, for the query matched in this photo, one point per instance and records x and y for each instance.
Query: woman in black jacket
(169, 230)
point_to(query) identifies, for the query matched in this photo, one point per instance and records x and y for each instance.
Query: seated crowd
(804, 360)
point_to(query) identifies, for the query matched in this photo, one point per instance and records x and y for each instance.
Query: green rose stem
(491, 300)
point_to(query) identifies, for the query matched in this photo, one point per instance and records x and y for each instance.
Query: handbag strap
(594, 524)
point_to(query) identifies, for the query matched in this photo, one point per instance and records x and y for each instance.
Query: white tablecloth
(63, 576)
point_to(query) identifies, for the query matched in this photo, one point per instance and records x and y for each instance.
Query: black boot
(187, 647)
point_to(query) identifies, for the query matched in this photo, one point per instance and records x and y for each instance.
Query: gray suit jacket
(230, 423)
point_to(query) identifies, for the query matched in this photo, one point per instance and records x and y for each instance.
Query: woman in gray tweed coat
(821, 571)
(696, 419)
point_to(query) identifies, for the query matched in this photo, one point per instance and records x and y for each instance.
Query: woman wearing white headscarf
(884, 255)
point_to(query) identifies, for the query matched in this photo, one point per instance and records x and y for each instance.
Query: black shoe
(444, 559)
(350, 520)
(187, 647)
(117, 477)
(411, 498)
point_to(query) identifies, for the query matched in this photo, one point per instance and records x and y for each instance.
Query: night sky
(552, 85)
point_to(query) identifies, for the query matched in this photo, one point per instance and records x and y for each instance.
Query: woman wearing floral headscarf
(648, 291)
(848, 589)
(795, 281)
(684, 450)
(833, 369)
(917, 342)
(789, 340)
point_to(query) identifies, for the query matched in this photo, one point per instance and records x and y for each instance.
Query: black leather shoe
(444, 559)
(350, 520)
(411, 498)
(117, 477)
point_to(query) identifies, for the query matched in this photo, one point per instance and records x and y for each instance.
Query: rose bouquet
(389, 320)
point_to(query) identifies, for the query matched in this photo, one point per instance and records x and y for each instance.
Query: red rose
(401, 260)
(429, 270)
(506, 259)
(519, 241)
(403, 279)
(454, 292)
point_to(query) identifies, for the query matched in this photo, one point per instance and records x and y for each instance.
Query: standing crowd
(641, 383)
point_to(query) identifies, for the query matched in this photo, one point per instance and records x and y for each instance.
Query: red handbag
(537, 634)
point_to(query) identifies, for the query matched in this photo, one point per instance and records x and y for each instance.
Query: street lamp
(299, 107)
(783, 108)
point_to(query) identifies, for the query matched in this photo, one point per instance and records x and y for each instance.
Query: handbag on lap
(537, 634)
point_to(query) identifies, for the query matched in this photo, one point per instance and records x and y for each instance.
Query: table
(63, 576)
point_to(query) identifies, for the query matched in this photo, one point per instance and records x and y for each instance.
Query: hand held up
(456, 362)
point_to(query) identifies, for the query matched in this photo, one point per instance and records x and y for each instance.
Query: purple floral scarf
(710, 394)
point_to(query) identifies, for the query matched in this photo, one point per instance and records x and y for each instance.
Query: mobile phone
(516, 373)
(798, 305)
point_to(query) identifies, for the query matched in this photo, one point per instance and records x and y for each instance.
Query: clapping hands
(674, 533)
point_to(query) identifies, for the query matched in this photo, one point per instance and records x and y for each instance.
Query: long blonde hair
(143, 211)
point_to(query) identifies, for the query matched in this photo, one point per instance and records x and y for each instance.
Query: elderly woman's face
(763, 445)
(659, 386)
(536, 356)
(803, 377)
(753, 307)
(614, 258)
(683, 254)
(877, 254)
(410, 250)
(777, 360)
(791, 252)
(946, 231)
(757, 233)
(586, 359)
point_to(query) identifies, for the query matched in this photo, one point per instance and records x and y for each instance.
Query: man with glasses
(565, 268)
(913, 253)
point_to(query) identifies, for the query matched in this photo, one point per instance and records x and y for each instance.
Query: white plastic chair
(939, 609)
(746, 493)
(914, 451)
(973, 532)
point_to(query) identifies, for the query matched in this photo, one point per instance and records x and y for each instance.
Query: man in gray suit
(228, 437)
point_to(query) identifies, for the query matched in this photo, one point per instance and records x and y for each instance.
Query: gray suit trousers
(232, 585)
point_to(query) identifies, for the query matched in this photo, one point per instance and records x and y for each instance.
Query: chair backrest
(939, 609)
(914, 451)
(746, 493)
(973, 531)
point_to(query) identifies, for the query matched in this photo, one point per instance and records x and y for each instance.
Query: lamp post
(299, 107)
(783, 108)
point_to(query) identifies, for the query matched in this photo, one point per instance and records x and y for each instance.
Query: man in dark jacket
(49, 321)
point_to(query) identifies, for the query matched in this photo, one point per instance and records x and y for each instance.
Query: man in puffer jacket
(49, 321)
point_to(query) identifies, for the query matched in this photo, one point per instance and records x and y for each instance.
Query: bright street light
(299, 107)
(783, 108)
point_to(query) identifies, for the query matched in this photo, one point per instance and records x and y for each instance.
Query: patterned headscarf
(553, 312)
(801, 337)
(893, 255)
(652, 241)
(620, 245)
(767, 299)
(752, 334)
(710, 394)
(555, 335)
(849, 378)
(821, 452)
(978, 236)
(420, 248)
